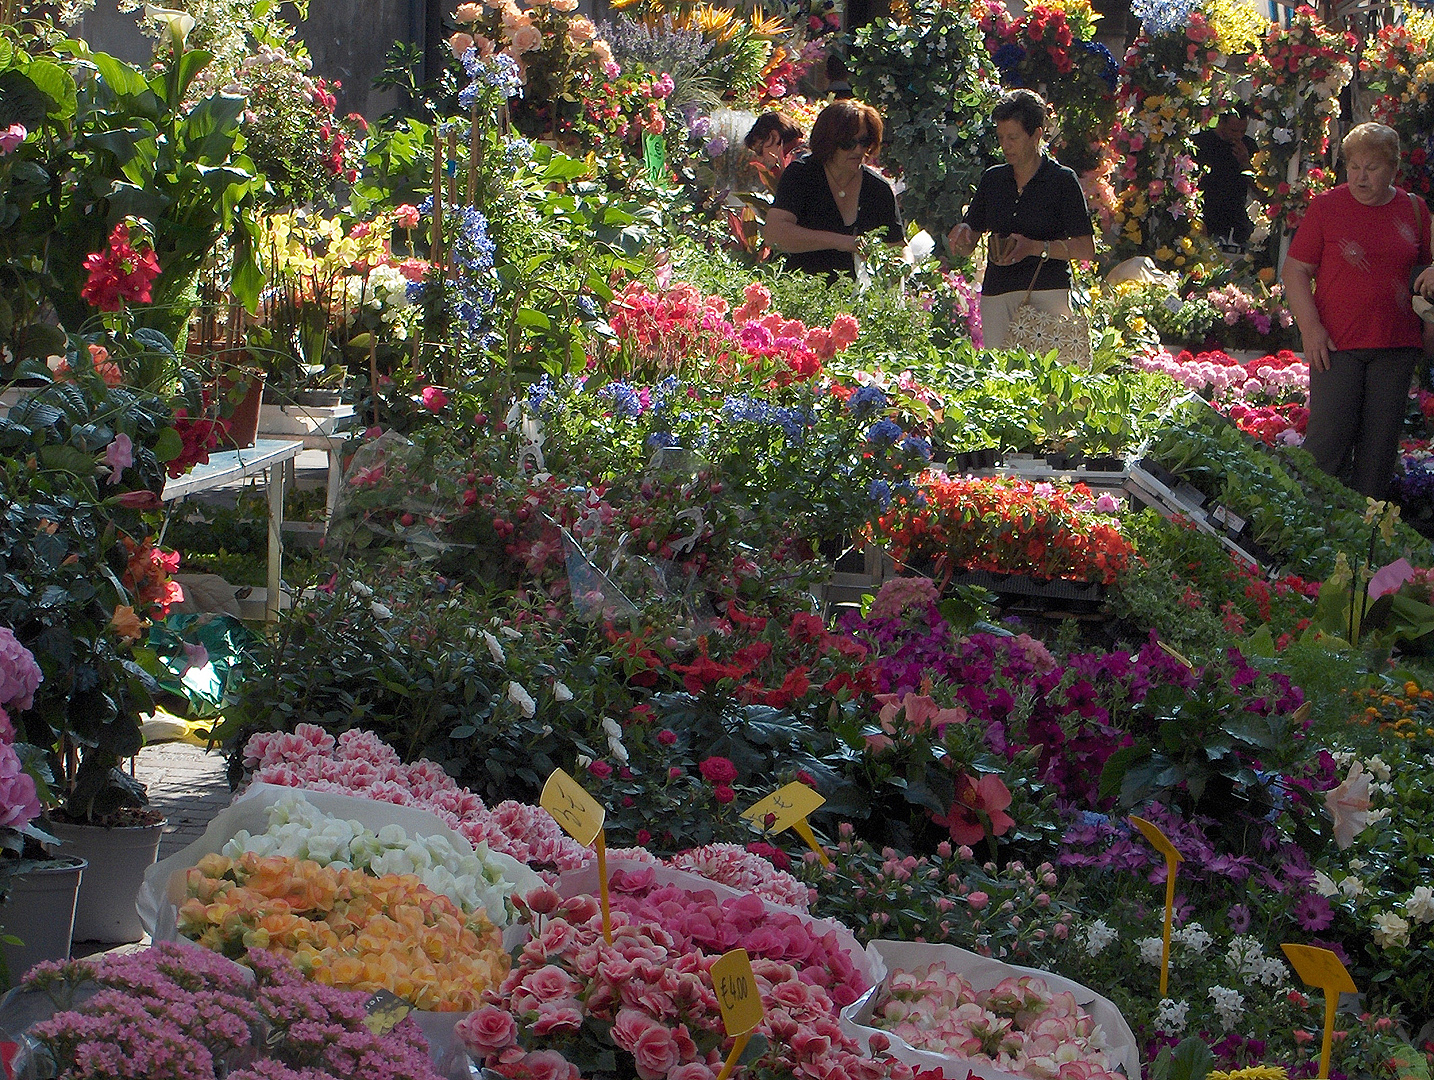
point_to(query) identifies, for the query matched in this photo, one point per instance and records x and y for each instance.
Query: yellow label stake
(787, 808)
(581, 817)
(1173, 859)
(1321, 968)
(739, 1000)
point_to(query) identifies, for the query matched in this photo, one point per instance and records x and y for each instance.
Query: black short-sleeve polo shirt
(1050, 207)
(803, 190)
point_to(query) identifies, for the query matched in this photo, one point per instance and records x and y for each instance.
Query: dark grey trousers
(1356, 414)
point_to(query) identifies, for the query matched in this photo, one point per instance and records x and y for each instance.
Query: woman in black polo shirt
(830, 197)
(1036, 213)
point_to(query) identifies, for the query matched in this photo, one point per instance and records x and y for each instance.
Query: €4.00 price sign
(581, 817)
(787, 808)
(739, 1000)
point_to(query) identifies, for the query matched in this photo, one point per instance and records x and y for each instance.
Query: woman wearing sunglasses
(1036, 213)
(828, 198)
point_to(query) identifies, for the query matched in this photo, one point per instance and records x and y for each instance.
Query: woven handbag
(1041, 331)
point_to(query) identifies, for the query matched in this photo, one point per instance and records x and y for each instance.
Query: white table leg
(275, 485)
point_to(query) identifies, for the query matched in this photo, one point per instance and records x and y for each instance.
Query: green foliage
(929, 79)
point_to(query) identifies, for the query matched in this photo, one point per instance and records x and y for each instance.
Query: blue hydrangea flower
(662, 440)
(880, 491)
(884, 432)
(915, 447)
(1008, 55)
(867, 401)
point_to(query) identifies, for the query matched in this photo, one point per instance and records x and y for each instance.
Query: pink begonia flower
(1348, 806)
(119, 456)
(434, 399)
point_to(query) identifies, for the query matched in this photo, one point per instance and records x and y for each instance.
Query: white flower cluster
(1170, 1017)
(1420, 905)
(385, 292)
(1194, 937)
(1151, 950)
(1246, 956)
(613, 730)
(1097, 936)
(299, 830)
(1229, 1006)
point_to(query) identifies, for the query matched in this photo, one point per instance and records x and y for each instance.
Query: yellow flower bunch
(1251, 1072)
(1239, 28)
(320, 247)
(345, 928)
(1080, 16)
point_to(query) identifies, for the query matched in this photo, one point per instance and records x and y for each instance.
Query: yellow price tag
(739, 1000)
(1173, 859)
(580, 815)
(1321, 968)
(788, 807)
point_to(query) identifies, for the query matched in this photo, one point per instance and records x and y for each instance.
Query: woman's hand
(962, 239)
(1424, 283)
(1015, 248)
(1316, 342)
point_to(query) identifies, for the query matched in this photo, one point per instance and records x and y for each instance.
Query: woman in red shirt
(1357, 246)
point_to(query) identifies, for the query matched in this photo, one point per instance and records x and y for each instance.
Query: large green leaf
(57, 84)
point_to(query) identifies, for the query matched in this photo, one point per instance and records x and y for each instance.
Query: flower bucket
(105, 910)
(40, 911)
(244, 421)
(982, 973)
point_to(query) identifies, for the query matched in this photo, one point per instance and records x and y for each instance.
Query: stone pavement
(187, 784)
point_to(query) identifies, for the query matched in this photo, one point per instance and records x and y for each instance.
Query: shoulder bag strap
(1420, 211)
(1031, 287)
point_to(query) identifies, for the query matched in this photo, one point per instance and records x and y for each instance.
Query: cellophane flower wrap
(1020, 1025)
(178, 1011)
(345, 928)
(644, 1005)
(298, 830)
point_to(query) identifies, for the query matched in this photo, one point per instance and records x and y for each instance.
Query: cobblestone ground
(186, 783)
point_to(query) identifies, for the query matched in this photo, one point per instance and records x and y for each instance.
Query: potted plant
(39, 889)
(82, 464)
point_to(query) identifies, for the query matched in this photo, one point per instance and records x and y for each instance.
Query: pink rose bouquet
(573, 1003)
(1018, 1025)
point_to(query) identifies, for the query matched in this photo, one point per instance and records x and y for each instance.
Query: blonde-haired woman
(1347, 283)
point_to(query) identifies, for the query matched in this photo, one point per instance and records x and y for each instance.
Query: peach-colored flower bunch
(344, 928)
(571, 996)
(550, 43)
(1019, 1025)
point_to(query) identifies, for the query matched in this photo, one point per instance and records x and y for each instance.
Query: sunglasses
(866, 142)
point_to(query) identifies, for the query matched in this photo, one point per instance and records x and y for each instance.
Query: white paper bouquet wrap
(352, 825)
(982, 973)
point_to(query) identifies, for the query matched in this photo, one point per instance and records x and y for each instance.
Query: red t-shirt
(1363, 255)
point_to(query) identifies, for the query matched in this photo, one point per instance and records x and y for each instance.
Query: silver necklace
(841, 194)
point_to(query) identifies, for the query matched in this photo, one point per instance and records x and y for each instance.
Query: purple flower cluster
(184, 1012)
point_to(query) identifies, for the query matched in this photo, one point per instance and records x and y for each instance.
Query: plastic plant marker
(1173, 859)
(1168, 651)
(788, 808)
(581, 817)
(739, 1000)
(383, 1011)
(1322, 968)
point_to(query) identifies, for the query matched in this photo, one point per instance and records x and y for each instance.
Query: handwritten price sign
(787, 808)
(581, 817)
(739, 1001)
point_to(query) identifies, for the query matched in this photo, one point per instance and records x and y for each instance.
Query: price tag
(580, 815)
(739, 1001)
(383, 1011)
(787, 808)
(654, 156)
(1322, 968)
(1173, 859)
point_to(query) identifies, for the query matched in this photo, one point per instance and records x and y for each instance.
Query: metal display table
(266, 456)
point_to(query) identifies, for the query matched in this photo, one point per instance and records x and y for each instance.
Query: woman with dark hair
(831, 196)
(773, 139)
(1036, 213)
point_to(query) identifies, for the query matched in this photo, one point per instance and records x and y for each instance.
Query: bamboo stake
(475, 155)
(373, 374)
(436, 254)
